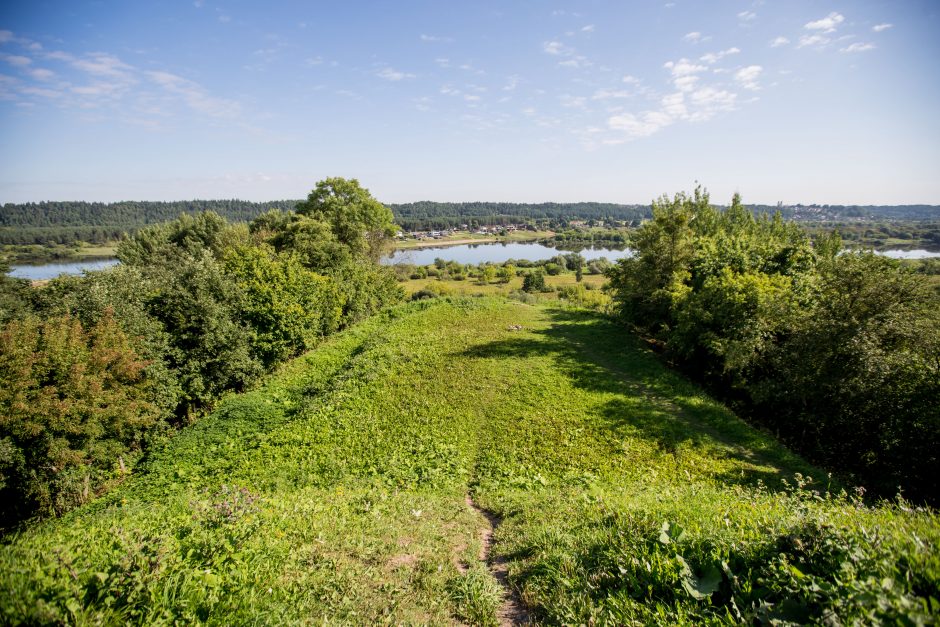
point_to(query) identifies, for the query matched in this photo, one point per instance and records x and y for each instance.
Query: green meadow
(359, 483)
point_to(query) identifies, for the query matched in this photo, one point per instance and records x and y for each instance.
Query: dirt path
(512, 611)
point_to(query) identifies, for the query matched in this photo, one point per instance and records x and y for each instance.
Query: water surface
(52, 270)
(494, 253)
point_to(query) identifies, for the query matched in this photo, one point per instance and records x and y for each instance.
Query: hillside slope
(338, 493)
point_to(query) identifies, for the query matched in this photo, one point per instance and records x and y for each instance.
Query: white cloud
(573, 102)
(577, 62)
(813, 40)
(511, 83)
(683, 67)
(858, 47)
(747, 16)
(587, 29)
(96, 63)
(195, 96)
(42, 74)
(713, 57)
(313, 61)
(712, 100)
(748, 76)
(390, 74)
(827, 24)
(448, 90)
(5, 36)
(17, 60)
(642, 125)
(630, 80)
(441, 62)
(436, 39)
(779, 41)
(694, 36)
(685, 83)
(881, 27)
(674, 105)
(555, 47)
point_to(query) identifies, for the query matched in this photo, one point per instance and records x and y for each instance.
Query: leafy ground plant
(337, 493)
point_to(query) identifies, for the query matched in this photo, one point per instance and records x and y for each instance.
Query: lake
(464, 253)
(52, 270)
(493, 253)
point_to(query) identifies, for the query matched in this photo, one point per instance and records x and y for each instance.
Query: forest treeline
(441, 215)
(51, 223)
(96, 369)
(95, 222)
(837, 353)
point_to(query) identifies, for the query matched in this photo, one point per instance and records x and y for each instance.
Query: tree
(534, 282)
(74, 404)
(506, 273)
(357, 220)
(286, 305)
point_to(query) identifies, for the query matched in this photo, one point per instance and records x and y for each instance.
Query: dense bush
(75, 406)
(838, 353)
(197, 308)
(533, 282)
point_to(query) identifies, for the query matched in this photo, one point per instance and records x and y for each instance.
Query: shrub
(76, 407)
(534, 282)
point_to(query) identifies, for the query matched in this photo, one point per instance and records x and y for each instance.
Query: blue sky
(793, 101)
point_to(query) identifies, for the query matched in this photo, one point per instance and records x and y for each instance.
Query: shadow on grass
(650, 402)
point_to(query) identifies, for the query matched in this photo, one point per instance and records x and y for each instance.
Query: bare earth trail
(512, 611)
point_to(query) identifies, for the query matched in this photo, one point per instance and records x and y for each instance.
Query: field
(472, 287)
(361, 483)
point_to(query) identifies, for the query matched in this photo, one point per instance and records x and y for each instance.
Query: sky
(792, 101)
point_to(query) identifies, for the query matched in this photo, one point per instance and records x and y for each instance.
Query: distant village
(505, 229)
(501, 229)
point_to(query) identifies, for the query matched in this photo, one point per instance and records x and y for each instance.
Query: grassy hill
(364, 482)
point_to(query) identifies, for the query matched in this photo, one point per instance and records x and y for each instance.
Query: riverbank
(36, 255)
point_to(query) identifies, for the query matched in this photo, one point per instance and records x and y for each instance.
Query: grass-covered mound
(337, 493)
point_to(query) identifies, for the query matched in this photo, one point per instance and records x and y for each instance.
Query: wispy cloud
(827, 24)
(714, 57)
(609, 94)
(812, 40)
(747, 16)
(695, 37)
(858, 47)
(17, 60)
(779, 41)
(436, 39)
(390, 74)
(881, 27)
(747, 77)
(556, 48)
(195, 96)
(587, 29)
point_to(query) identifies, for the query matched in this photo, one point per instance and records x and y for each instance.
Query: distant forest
(67, 222)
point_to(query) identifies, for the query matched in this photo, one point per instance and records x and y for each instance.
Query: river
(493, 253)
(41, 272)
(464, 253)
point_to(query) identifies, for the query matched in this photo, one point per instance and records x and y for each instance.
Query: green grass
(472, 287)
(336, 494)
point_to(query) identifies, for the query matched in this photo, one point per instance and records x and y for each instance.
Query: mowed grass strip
(336, 494)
